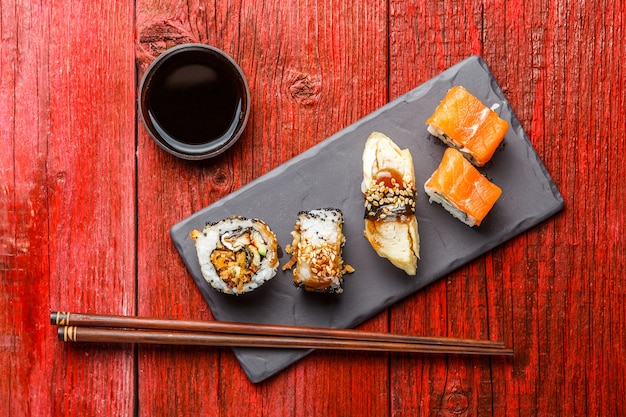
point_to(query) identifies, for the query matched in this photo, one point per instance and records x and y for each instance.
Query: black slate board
(329, 175)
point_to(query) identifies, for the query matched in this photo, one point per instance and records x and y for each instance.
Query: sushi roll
(316, 251)
(388, 187)
(461, 189)
(236, 255)
(465, 123)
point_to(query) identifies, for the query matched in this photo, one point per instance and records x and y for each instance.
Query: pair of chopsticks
(76, 327)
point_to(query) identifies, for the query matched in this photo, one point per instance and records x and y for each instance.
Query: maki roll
(461, 189)
(465, 123)
(236, 255)
(316, 251)
(389, 189)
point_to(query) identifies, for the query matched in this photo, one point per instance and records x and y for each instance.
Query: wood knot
(457, 403)
(220, 178)
(156, 37)
(304, 89)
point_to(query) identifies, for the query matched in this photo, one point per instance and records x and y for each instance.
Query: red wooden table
(87, 200)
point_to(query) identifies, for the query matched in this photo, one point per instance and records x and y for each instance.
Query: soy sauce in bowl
(194, 101)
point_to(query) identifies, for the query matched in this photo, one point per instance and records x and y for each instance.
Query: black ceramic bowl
(194, 101)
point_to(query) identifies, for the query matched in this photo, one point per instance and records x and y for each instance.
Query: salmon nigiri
(465, 123)
(461, 189)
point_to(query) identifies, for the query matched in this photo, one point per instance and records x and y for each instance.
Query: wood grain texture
(68, 192)
(87, 200)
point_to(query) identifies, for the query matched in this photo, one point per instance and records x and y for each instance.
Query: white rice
(209, 238)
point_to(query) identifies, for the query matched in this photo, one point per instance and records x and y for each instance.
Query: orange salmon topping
(473, 127)
(464, 186)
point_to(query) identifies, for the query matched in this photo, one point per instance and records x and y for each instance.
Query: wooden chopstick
(76, 327)
(97, 320)
(165, 337)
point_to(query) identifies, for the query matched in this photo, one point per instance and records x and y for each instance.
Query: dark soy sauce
(195, 101)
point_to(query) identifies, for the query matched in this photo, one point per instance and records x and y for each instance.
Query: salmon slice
(465, 123)
(461, 189)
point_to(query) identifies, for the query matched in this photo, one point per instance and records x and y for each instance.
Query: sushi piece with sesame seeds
(388, 187)
(316, 251)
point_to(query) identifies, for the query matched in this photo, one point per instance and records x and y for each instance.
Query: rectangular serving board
(329, 175)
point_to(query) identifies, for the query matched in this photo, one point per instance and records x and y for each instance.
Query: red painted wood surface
(87, 200)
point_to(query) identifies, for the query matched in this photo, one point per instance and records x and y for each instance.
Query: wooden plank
(594, 348)
(312, 71)
(68, 190)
